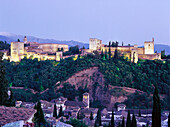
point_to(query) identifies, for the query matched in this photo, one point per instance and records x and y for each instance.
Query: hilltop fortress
(52, 51)
(132, 52)
(41, 51)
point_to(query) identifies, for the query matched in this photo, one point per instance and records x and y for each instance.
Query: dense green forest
(40, 75)
(118, 71)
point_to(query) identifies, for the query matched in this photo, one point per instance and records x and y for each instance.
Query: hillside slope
(94, 80)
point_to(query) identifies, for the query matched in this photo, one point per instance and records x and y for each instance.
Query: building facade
(133, 53)
(41, 51)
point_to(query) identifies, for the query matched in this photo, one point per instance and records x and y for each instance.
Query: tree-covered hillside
(40, 75)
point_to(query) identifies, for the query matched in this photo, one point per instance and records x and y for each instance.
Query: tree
(11, 101)
(18, 40)
(134, 124)
(91, 116)
(122, 43)
(78, 115)
(83, 47)
(112, 120)
(117, 43)
(61, 111)
(116, 54)
(123, 122)
(128, 122)
(139, 113)
(95, 124)
(109, 51)
(119, 125)
(3, 83)
(55, 111)
(39, 119)
(163, 54)
(99, 118)
(169, 120)
(102, 54)
(106, 55)
(156, 112)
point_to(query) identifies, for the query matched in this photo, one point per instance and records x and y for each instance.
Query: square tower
(94, 44)
(149, 47)
(86, 99)
(17, 51)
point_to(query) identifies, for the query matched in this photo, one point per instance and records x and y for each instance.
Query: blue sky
(130, 21)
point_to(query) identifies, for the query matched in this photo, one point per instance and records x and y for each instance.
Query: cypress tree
(122, 43)
(119, 125)
(11, 101)
(78, 115)
(3, 83)
(134, 124)
(112, 120)
(109, 52)
(61, 111)
(18, 40)
(116, 54)
(91, 116)
(128, 122)
(95, 124)
(55, 111)
(139, 113)
(39, 116)
(156, 112)
(123, 122)
(99, 118)
(168, 120)
(106, 57)
(102, 54)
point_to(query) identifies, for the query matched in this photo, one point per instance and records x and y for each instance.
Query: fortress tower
(149, 47)
(17, 51)
(86, 99)
(94, 44)
(134, 54)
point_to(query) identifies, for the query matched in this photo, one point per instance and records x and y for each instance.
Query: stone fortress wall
(52, 51)
(132, 52)
(41, 51)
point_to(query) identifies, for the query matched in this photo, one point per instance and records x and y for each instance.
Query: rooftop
(12, 114)
(75, 103)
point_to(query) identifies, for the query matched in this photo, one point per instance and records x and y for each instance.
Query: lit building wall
(17, 51)
(94, 43)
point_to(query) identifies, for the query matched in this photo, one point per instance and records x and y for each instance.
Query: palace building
(41, 51)
(53, 51)
(132, 52)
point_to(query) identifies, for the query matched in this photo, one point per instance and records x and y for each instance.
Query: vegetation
(4, 45)
(128, 122)
(76, 123)
(55, 111)
(72, 51)
(39, 119)
(40, 75)
(91, 116)
(4, 99)
(123, 122)
(98, 120)
(3, 83)
(61, 113)
(112, 120)
(134, 123)
(156, 113)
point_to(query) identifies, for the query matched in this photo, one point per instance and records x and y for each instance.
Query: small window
(149, 45)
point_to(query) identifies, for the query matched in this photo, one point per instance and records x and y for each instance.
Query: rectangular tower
(149, 47)
(17, 51)
(94, 44)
